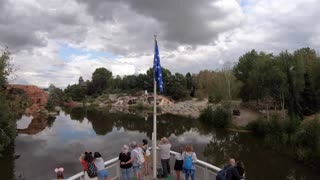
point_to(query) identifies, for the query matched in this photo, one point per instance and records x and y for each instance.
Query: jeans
(126, 173)
(189, 173)
(165, 166)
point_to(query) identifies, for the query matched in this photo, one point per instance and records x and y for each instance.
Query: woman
(99, 163)
(189, 158)
(240, 168)
(83, 162)
(178, 165)
(125, 156)
(146, 154)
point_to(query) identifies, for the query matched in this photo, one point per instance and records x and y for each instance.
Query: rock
(37, 96)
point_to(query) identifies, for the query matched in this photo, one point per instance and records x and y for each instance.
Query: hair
(181, 149)
(240, 167)
(189, 148)
(60, 175)
(125, 149)
(97, 155)
(144, 141)
(165, 140)
(133, 144)
(59, 172)
(88, 157)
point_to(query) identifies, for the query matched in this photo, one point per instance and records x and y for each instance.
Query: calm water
(58, 143)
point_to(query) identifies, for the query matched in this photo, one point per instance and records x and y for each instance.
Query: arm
(194, 157)
(236, 174)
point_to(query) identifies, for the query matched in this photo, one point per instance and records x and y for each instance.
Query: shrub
(219, 118)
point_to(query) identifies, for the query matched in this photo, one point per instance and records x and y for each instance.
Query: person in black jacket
(232, 172)
(125, 156)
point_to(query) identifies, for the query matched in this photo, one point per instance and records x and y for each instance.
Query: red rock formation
(38, 97)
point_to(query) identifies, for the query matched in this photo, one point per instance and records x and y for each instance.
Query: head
(134, 144)
(240, 164)
(189, 148)
(97, 155)
(164, 140)
(232, 162)
(88, 157)
(59, 172)
(125, 149)
(145, 142)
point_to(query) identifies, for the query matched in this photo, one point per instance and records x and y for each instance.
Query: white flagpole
(154, 145)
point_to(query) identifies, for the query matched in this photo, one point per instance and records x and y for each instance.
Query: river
(43, 145)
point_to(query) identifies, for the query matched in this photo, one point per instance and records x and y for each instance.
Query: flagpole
(154, 145)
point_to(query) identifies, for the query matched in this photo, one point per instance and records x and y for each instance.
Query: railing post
(118, 170)
(206, 173)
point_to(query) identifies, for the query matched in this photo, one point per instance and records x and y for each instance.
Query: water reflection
(76, 130)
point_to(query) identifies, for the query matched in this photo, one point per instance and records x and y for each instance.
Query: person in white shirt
(165, 147)
(178, 165)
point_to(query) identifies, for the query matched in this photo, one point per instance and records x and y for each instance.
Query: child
(179, 162)
(59, 172)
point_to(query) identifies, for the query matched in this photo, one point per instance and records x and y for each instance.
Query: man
(165, 147)
(232, 172)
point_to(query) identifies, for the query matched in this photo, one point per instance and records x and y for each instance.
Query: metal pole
(154, 145)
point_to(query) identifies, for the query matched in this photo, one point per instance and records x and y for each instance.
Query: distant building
(81, 82)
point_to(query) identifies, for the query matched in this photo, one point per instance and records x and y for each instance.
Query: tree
(7, 118)
(101, 79)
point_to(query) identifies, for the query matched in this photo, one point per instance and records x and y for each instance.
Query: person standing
(189, 158)
(146, 154)
(103, 174)
(136, 160)
(125, 156)
(232, 172)
(165, 147)
(178, 165)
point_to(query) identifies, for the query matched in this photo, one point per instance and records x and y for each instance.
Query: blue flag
(157, 68)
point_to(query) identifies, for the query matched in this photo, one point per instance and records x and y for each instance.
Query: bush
(219, 118)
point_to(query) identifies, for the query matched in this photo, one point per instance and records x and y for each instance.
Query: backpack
(159, 173)
(187, 163)
(222, 175)
(148, 152)
(140, 157)
(92, 170)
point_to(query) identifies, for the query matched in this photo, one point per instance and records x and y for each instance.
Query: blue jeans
(189, 173)
(126, 173)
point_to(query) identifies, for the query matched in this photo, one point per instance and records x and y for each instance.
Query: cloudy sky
(56, 41)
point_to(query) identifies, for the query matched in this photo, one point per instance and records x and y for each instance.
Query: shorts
(178, 165)
(136, 169)
(103, 174)
(146, 158)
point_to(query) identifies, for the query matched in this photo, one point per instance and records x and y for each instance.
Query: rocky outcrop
(38, 98)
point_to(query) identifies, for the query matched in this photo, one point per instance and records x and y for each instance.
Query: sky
(57, 41)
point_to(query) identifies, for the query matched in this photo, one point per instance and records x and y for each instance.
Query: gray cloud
(194, 35)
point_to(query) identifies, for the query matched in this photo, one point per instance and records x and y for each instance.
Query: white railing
(204, 170)
(108, 164)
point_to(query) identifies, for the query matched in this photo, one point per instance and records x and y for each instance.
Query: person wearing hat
(124, 157)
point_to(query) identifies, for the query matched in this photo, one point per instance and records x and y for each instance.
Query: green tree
(7, 121)
(101, 80)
